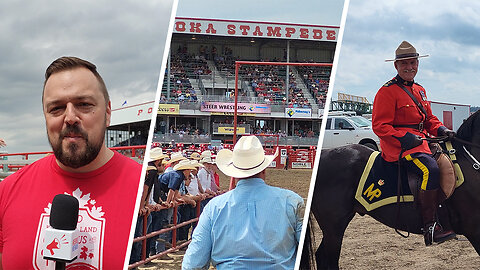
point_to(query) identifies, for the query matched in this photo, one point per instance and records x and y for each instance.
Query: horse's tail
(308, 259)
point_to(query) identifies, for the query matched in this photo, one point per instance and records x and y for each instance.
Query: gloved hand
(409, 141)
(443, 131)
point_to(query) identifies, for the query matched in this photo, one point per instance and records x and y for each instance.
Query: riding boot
(442, 212)
(432, 230)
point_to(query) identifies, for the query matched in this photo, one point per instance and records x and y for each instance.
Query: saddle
(447, 172)
(378, 183)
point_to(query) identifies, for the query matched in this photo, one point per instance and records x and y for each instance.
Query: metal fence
(206, 139)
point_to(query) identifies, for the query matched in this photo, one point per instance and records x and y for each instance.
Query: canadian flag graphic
(91, 228)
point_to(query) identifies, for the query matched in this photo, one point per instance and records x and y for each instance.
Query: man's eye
(85, 106)
(56, 109)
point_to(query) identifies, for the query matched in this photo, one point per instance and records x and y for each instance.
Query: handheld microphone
(61, 238)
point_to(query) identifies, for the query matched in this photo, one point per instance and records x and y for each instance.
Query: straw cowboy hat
(405, 51)
(156, 154)
(247, 158)
(184, 164)
(176, 157)
(195, 156)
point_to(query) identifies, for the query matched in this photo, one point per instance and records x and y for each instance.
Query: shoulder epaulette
(391, 82)
(417, 84)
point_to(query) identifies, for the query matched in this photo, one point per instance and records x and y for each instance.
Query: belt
(418, 127)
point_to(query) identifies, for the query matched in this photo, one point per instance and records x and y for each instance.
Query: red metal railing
(173, 229)
(136, 151)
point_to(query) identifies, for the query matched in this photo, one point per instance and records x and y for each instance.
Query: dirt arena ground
(368, 244)
(296, 180)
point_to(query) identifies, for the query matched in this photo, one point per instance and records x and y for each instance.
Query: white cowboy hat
(207, 160)
(405, 51)
(206, 153)
(184, 164)
(247, 158)
(156, 154)
(176, 157)
(196, 164)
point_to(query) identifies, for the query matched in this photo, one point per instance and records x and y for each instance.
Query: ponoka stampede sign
(255, 29)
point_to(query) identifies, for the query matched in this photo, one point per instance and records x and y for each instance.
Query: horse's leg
(333, 199)
(328, 254)
(463, 207)
(333, 211)
(475, 243)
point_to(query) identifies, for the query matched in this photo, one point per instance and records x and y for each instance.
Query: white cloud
(446, 30)
(125, 39)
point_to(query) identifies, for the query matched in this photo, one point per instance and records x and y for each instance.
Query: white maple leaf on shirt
(87, 203)
(97, 212)
(48, 208)
(82, 199)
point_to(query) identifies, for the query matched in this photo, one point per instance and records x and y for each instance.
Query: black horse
(334, 205)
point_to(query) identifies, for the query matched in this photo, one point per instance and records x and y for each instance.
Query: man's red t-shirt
(107, 199)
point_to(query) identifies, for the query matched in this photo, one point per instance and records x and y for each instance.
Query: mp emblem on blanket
(370, 193)
(378, 185)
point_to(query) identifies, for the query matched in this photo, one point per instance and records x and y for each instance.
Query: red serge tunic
(393, 108)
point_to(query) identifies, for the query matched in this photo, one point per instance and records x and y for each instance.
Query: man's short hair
(70, 62)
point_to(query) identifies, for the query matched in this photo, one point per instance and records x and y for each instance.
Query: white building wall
(460, 112)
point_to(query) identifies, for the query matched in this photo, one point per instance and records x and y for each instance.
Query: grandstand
(197, 98)
(129, 125)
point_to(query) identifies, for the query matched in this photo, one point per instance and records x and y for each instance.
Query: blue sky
(321, 12)
(123, 38)
(449, 31)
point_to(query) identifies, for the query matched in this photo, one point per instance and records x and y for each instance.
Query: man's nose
(71, 116)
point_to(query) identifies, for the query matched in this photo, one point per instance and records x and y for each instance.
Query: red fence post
(198, 209)
(144, 241)
(174, 232)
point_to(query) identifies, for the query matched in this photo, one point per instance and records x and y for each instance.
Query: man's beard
(75, 157)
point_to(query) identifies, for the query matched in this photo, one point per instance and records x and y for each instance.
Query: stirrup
(429, 234)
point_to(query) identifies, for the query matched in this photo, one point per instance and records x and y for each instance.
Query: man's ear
(108, 113)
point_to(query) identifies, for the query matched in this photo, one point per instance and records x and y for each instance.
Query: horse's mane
(465, 131)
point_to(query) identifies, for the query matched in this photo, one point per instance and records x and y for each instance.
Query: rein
(466, 142)
(476, 164)
(468, 155)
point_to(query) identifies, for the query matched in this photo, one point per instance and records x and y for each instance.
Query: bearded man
(77, 111)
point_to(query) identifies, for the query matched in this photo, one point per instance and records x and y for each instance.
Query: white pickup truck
(347, 129)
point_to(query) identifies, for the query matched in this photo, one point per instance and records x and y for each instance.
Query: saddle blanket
(378, 184)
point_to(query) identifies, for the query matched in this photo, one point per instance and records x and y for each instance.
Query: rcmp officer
(401, 118)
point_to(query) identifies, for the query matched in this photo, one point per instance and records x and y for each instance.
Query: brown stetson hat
(405, 51)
